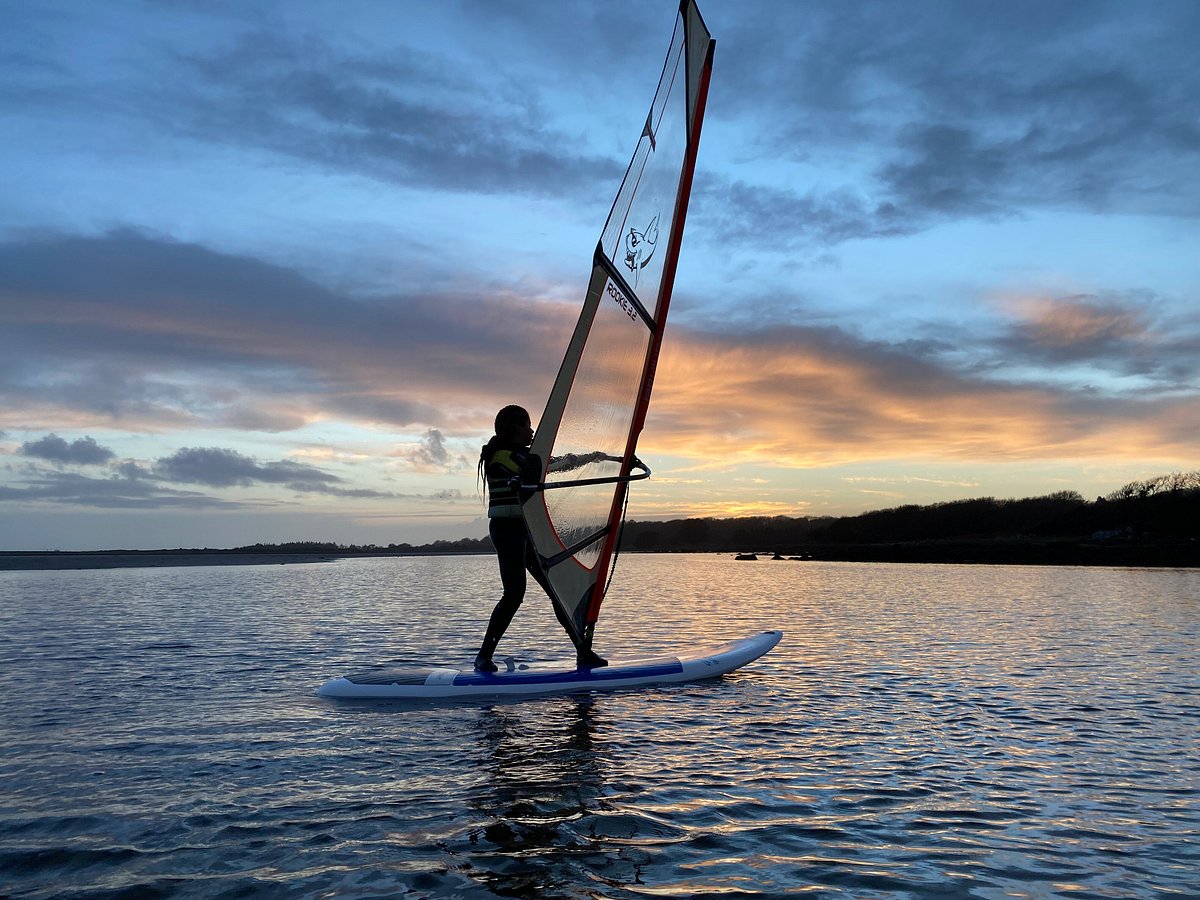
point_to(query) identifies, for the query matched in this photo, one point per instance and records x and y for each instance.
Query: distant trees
(981, 517)
(687, 535)
(463, 545)
(1166, 506)
(293, 547)
(1176, 481)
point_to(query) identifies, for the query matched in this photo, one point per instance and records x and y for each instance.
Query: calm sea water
(922, 731)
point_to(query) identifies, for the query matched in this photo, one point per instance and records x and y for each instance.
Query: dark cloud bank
(128, 484)
(139, 329)
(82, 451)
(413, 118)
(970, 111)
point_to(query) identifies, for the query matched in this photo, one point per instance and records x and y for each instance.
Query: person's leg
(508, 537)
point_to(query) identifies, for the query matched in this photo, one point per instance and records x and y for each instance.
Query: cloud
(1124, 334)
(132, 470)
(1045, 106)
(947, 170)
(308, 487)
(433, 448)
(796, 396)
(82, 451)
(1076, 323)
(907, 479)
(217, 467)
(72, 489)
(416, 112)
(416, 119)
(131, 485)
(740, 213)
(144, 333)
(432, 455)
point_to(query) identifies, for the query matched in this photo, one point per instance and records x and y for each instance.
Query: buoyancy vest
(503, 499)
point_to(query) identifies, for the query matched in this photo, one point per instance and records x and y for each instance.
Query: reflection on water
(921, 731)
(544, 773)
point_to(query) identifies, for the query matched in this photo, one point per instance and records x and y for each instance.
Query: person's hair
(507, 420)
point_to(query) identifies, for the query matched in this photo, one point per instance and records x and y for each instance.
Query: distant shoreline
(1145, 524)
(47, 560)
(1120, 554)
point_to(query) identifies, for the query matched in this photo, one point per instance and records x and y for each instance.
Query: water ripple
(932, 731)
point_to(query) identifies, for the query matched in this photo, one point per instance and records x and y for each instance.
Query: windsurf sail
(587, 435)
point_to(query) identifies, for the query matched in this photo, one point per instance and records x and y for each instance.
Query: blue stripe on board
(579, 676)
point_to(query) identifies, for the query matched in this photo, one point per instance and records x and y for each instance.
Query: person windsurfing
(500, 464)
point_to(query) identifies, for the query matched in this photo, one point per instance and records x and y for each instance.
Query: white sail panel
(636, 234)
(590, 442)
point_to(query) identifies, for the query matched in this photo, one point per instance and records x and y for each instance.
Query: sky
(268, 269)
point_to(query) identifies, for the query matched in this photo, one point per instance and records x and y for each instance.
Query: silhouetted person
(500, 463)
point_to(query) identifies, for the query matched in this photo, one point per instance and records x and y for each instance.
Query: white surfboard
(549, 678)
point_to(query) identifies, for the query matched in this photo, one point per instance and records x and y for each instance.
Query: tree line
(1163, 508)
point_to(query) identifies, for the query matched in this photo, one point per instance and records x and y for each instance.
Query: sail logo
(622, 301)
(639, 247)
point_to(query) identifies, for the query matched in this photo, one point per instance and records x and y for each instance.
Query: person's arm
(570, 461)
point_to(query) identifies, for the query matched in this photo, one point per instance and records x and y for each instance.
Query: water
(922, 731)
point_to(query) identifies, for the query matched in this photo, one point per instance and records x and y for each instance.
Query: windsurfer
(500, 460)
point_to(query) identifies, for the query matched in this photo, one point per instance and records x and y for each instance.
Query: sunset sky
(268, 269)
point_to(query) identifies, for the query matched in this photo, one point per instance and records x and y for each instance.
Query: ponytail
(485, 457)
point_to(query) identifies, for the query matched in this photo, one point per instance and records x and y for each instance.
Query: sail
(587, 435)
